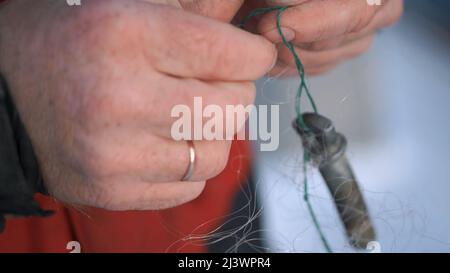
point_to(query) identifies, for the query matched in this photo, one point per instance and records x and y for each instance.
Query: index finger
(193, 46)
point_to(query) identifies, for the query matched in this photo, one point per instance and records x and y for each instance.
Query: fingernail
(274, 35)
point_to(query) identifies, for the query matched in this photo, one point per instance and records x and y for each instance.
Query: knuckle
(319, 32)
(219, 49)
(360, 15)
(236, 106)
(224, 61)
(364, 16)
(198, 38)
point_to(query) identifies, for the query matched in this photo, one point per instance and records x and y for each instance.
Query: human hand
(95, 86)
(326, 33)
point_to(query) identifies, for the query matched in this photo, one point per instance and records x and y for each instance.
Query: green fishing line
(303, 88)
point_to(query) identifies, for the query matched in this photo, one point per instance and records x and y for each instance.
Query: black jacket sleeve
(20, 177)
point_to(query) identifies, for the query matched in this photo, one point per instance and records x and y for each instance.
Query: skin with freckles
(95, 84)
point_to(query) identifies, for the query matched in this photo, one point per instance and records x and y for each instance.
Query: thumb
(223, 10)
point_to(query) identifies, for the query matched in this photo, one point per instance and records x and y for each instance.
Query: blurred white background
(393, 105)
